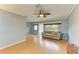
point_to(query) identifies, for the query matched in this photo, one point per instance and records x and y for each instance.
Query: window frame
(51, 24)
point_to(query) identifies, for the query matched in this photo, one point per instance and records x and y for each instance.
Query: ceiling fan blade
(47, 13)
(44, 15)
(40, 12)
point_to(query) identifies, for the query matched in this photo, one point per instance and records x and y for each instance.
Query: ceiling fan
(41, 12)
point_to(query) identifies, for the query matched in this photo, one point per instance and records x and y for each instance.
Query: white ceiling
(58, 11)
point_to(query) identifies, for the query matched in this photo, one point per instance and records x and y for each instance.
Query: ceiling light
(41, 12)
(41, 15)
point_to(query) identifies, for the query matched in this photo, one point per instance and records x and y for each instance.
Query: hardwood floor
(36, 45)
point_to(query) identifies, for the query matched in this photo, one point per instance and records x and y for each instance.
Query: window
(51, 27)
(35, 27)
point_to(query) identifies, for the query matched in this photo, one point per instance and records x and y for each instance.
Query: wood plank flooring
(37, 45)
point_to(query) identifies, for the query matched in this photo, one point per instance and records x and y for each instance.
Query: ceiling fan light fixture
(41, 15)
(41, 11)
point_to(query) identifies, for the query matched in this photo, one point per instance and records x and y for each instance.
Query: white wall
(12, 28)
(73, 28)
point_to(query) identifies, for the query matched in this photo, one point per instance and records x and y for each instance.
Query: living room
(56, 24)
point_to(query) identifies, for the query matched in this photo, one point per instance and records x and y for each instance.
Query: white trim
(12, 44)
(12, 12)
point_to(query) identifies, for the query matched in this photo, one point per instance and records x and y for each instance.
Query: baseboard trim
(12, 44)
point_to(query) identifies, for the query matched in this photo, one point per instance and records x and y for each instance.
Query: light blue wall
(32, 31)
(63, 28)
(12, 28)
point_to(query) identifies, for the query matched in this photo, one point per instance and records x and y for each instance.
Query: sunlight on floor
(47, 43)
(35, 44)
